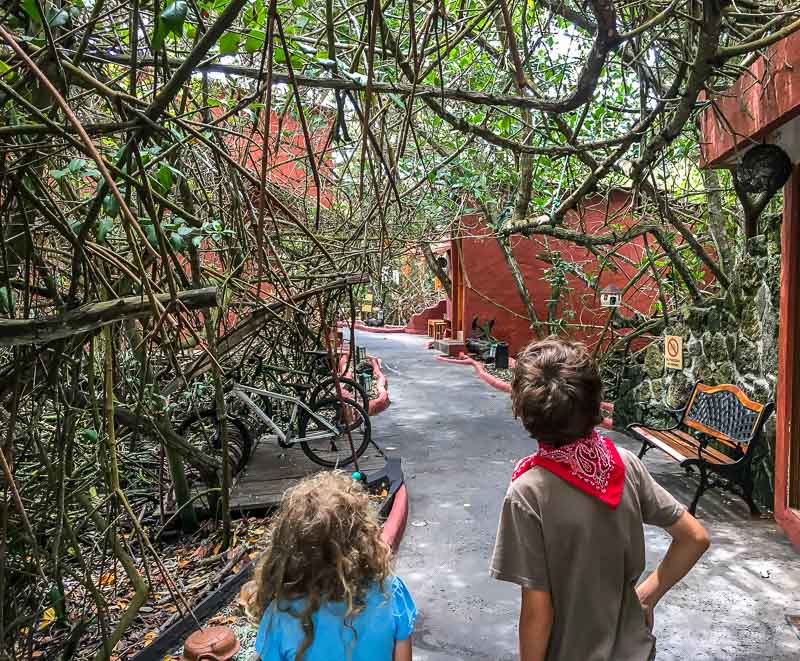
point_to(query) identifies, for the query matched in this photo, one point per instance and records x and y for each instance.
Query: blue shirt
(388, 616)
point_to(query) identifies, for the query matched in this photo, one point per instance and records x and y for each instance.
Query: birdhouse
(610, 296)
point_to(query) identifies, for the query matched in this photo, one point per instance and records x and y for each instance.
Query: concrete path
(459, 444)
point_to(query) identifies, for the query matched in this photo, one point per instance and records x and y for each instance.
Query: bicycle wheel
(334, 450)
(351, 389)
(203, 432)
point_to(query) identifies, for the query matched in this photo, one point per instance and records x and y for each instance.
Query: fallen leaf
(201, 552)
(149, 637)
(223, 619)
(48, 617)
(108, 579)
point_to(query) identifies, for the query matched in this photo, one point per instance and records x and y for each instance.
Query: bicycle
(324, 429)
(326, 385)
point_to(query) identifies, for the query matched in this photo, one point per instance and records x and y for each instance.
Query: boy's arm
(689, 541)
(402, 650)
(535, 623)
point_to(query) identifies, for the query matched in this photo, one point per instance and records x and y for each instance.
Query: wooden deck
(273, 469)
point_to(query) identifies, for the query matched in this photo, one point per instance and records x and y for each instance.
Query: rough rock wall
(729, 340)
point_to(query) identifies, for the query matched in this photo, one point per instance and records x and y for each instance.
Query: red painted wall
(286, 157)
(287, 154)
(490, 292)
(418, 323)
(763, 98)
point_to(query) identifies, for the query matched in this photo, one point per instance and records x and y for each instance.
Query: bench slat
(680, 445)
(720, 457)
(649, 434)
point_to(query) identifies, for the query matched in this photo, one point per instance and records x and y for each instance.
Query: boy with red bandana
(571, 529)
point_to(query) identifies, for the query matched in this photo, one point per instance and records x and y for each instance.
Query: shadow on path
(459, 444)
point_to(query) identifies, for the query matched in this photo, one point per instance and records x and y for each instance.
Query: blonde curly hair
(324, 544)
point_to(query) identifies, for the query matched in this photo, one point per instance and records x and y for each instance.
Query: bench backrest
(725, 413)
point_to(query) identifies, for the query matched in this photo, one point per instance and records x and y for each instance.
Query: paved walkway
(459, 444)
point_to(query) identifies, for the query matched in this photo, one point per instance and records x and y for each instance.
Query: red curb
(395, 525)
(381, 402)
(373, 329)
(504, 386)
(493, 381)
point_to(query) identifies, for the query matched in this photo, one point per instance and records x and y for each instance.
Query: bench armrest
(676, 414)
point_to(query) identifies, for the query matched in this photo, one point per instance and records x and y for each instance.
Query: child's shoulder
(526, 490)
(393, 586)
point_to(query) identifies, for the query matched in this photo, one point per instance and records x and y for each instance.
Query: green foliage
(229, 43)
(7, 300)
(170, 22)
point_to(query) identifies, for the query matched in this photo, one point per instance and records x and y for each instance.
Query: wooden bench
(725, 416)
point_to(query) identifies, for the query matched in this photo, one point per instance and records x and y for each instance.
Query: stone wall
(729, 340)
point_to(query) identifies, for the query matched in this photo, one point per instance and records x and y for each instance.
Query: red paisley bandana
(590, 464)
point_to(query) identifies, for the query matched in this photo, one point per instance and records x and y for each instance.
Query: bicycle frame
(284, 439)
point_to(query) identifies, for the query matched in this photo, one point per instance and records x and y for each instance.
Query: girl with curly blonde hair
(325, 590)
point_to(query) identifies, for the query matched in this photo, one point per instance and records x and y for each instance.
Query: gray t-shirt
(555, 538)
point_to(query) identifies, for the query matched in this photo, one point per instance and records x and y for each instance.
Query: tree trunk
(437, 270)
(15, 332)
(505, 246)
(716, 219)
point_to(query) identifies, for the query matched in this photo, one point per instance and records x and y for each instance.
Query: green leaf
(298, 3)
(103, 228)
(111, 206)
(150, 233)
(31, 9)
(164, 177)
(229, 43)
(76, 165)
(57, 18)
(255, 41)
(169, 22)
(174, 15)
(177, 242)
(89, 434)
(183, 230)
(196, 240)
(161, 33)
(57, 174)
(5, 72)
(280, 55)
(6, 300)
(57, 602)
